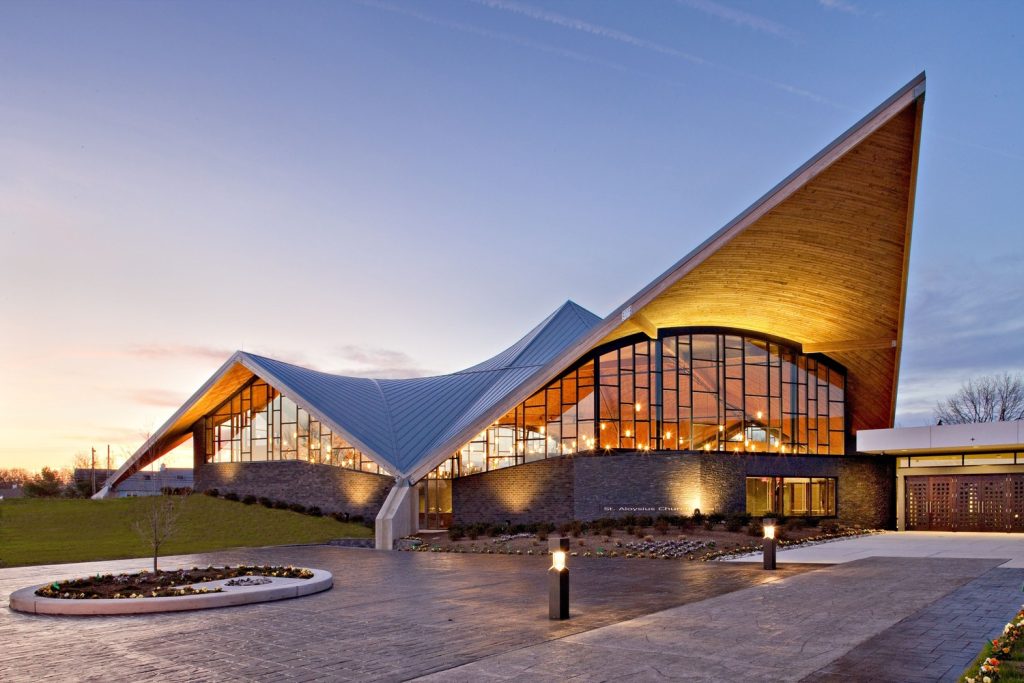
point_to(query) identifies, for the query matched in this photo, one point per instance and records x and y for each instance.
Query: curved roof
(821, 260)
(399, 423)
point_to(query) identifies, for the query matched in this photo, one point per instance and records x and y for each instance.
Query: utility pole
(92, 470)
(108, 460)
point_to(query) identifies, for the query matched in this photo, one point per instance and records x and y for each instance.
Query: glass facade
(258, 423)
(686, 391)
(791, 496)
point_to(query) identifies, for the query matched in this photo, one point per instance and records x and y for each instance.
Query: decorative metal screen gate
(969, 502)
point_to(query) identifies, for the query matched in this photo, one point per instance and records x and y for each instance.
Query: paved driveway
(1006, 547)
(390, 616)
(401, 616)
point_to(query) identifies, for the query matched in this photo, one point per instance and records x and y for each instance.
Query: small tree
(157, 521)
(990, 398)
(47, 484)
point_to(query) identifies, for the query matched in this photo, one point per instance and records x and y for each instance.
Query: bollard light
(558, 579)
(769, 543)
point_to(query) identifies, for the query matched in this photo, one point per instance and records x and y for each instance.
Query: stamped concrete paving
(778, 632)
(938, 642)
(391, 616)
(399, 616)
(1008, 547)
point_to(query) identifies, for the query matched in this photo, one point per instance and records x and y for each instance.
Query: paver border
(280, 588)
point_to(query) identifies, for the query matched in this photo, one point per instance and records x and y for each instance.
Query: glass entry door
(435, 503)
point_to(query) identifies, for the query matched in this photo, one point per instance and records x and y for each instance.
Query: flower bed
(162, 584)
(1001, 659)
(810, 540)
(702, 545)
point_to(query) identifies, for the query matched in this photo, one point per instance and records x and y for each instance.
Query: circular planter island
(170, 591)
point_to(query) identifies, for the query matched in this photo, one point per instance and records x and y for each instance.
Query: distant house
(11, 492)
(143, 482)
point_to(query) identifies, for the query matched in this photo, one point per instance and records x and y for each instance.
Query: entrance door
(435, 503)
(968, 502)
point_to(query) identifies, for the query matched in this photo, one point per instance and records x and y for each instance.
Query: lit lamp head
(769, 528)
(559, 548)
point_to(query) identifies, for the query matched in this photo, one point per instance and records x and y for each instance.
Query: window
(688, 390)
(259, 423)
(791, 496)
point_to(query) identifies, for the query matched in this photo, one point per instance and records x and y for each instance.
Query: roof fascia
(911, 198)
(831, 153)
(125, 469)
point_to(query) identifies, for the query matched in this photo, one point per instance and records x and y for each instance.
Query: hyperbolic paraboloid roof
(820, 260)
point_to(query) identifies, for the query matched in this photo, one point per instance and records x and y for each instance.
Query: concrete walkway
(1006, 547)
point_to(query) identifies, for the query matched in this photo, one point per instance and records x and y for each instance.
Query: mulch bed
(159, 584)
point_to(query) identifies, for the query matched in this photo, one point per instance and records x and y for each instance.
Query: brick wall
(615, 485)
(332, 489)
(535, 492)
(588, 487)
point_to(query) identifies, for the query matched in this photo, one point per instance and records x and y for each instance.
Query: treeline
(46, 483)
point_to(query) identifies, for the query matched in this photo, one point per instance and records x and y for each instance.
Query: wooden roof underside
(826, 267)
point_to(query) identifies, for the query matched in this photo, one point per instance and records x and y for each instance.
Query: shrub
(315, 511)
(266, 502)
(638, 531)
(492, 530)
(755, 529)
(543, 529)
(627, 521)
(698, 517)
(231, 495)
(357, 519)
(213, 493)
(683, 522)
(455, 532)
(473, 532)
(830, 527)
(280, 505)
(716, 518)
(249, 500)
(734, 523)
(812, 522)
(340, 516)
(297, 507)
(708, 524)
(661, 526)
(794, 524)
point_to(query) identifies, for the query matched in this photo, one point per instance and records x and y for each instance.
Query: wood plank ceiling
(826, 267)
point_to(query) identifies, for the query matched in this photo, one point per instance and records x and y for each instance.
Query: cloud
(497, 35)
(362, 361)
(588, 27)
(616, 35)
(741, 18)
(962, 322)
(840, 6)
(167, 351)
(161, 398)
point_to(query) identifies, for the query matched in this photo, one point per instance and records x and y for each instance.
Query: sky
(397, 188)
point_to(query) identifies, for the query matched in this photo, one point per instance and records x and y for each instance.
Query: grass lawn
(44, 531)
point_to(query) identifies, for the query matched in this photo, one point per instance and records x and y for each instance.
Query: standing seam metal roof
(400, 422)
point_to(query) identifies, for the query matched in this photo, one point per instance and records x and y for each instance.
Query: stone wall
(332, 489)
(588, 487)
